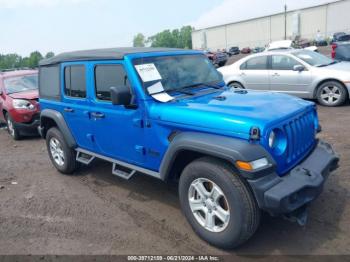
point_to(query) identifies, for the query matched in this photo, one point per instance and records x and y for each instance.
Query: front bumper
(292, 192)
(28, 128)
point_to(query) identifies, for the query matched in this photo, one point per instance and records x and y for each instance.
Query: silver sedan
(298, 72)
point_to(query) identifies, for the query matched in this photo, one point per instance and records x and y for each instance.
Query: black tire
(11, 127)
(69, 164)
(243, 209)
(336, 88)
(236, 85)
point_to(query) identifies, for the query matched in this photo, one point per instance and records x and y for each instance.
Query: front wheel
(11, 127)
(61, 155)
(331, 93)
(217, 203)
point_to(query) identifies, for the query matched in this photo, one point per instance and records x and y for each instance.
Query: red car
(19, 102)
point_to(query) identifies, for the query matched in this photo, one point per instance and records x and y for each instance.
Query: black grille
(300, 135)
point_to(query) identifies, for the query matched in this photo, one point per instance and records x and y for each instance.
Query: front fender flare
(223, 147)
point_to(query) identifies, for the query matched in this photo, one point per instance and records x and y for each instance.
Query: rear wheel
(331, 93)
(217, 203)
(11, 127)
(235, 85)
(62, 156)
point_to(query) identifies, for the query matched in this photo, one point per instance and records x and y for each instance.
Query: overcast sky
(63, 25)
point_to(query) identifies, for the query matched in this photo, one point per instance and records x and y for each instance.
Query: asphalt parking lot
(93, 212)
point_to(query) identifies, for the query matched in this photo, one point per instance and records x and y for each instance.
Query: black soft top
(102, 54)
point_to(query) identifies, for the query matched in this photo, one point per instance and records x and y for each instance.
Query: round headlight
(277, 141)
(272, 139)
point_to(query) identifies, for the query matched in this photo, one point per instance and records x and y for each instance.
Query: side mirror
(299, 68)
(120, 95)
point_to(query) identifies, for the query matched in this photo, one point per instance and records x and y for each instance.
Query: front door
(76, 104)
(284, 79)
(118, 130)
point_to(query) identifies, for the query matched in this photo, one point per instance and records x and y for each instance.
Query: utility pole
(285, 22)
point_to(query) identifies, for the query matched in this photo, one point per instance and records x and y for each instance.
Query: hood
(30, 95)
(230, 112)
(343, 66)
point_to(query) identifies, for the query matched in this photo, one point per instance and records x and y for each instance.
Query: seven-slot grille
(300, 134)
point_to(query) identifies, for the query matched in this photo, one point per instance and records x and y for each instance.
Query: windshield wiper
(331, 63)
(201, 84)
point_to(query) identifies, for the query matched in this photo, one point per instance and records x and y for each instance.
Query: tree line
(177, 38)
(11, 61)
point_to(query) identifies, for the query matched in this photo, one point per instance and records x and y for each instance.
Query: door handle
(68, 110)
(242, 74)
(276, 74)
(97, 115)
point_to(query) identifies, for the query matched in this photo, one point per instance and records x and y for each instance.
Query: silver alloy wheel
(209, 205)
(56, 151)
(10, 127)
(330, 94)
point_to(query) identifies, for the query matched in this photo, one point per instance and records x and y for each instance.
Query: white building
(304, 23)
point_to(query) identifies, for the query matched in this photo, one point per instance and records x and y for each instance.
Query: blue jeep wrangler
(167, 113)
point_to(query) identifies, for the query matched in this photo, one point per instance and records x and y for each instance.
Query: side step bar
(122, 172)
(84, 158)
(120, 168)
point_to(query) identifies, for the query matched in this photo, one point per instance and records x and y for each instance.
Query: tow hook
(299, 216)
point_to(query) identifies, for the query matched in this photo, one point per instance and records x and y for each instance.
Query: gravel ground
(93, 212)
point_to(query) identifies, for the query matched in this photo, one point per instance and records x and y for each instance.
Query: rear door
(254, 73)
(76, 104)
(284, 79)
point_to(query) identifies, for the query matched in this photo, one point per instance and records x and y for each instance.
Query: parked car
(298, 72)
(341, 51)
(19, 103)
(321, 42)
(343, 38)
(289, 44)
(245, 50)
(234, 50)
(339, 36)
(258, 49)
(217, 58)
(167, 113)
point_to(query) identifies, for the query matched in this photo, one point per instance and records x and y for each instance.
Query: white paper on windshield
(157, 92)
(156, 88)
(148, 72)
(163, 97)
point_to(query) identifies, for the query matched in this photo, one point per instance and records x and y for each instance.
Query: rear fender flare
(58, 118)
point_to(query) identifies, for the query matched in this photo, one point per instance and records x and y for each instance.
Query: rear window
(21, 83)
(255, 63)
(49, 83)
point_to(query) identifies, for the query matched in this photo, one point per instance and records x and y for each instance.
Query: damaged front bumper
(289, 195)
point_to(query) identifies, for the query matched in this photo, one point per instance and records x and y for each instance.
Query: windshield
(21, 83)
(313, 58)
(176, 72)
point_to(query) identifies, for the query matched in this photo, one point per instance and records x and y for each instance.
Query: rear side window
(282, 62)
(74, 81)
(107, 76)
(255, 63)
(49, 82)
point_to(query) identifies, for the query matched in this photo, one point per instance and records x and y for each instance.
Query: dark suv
(19, 102)
(167, 113)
